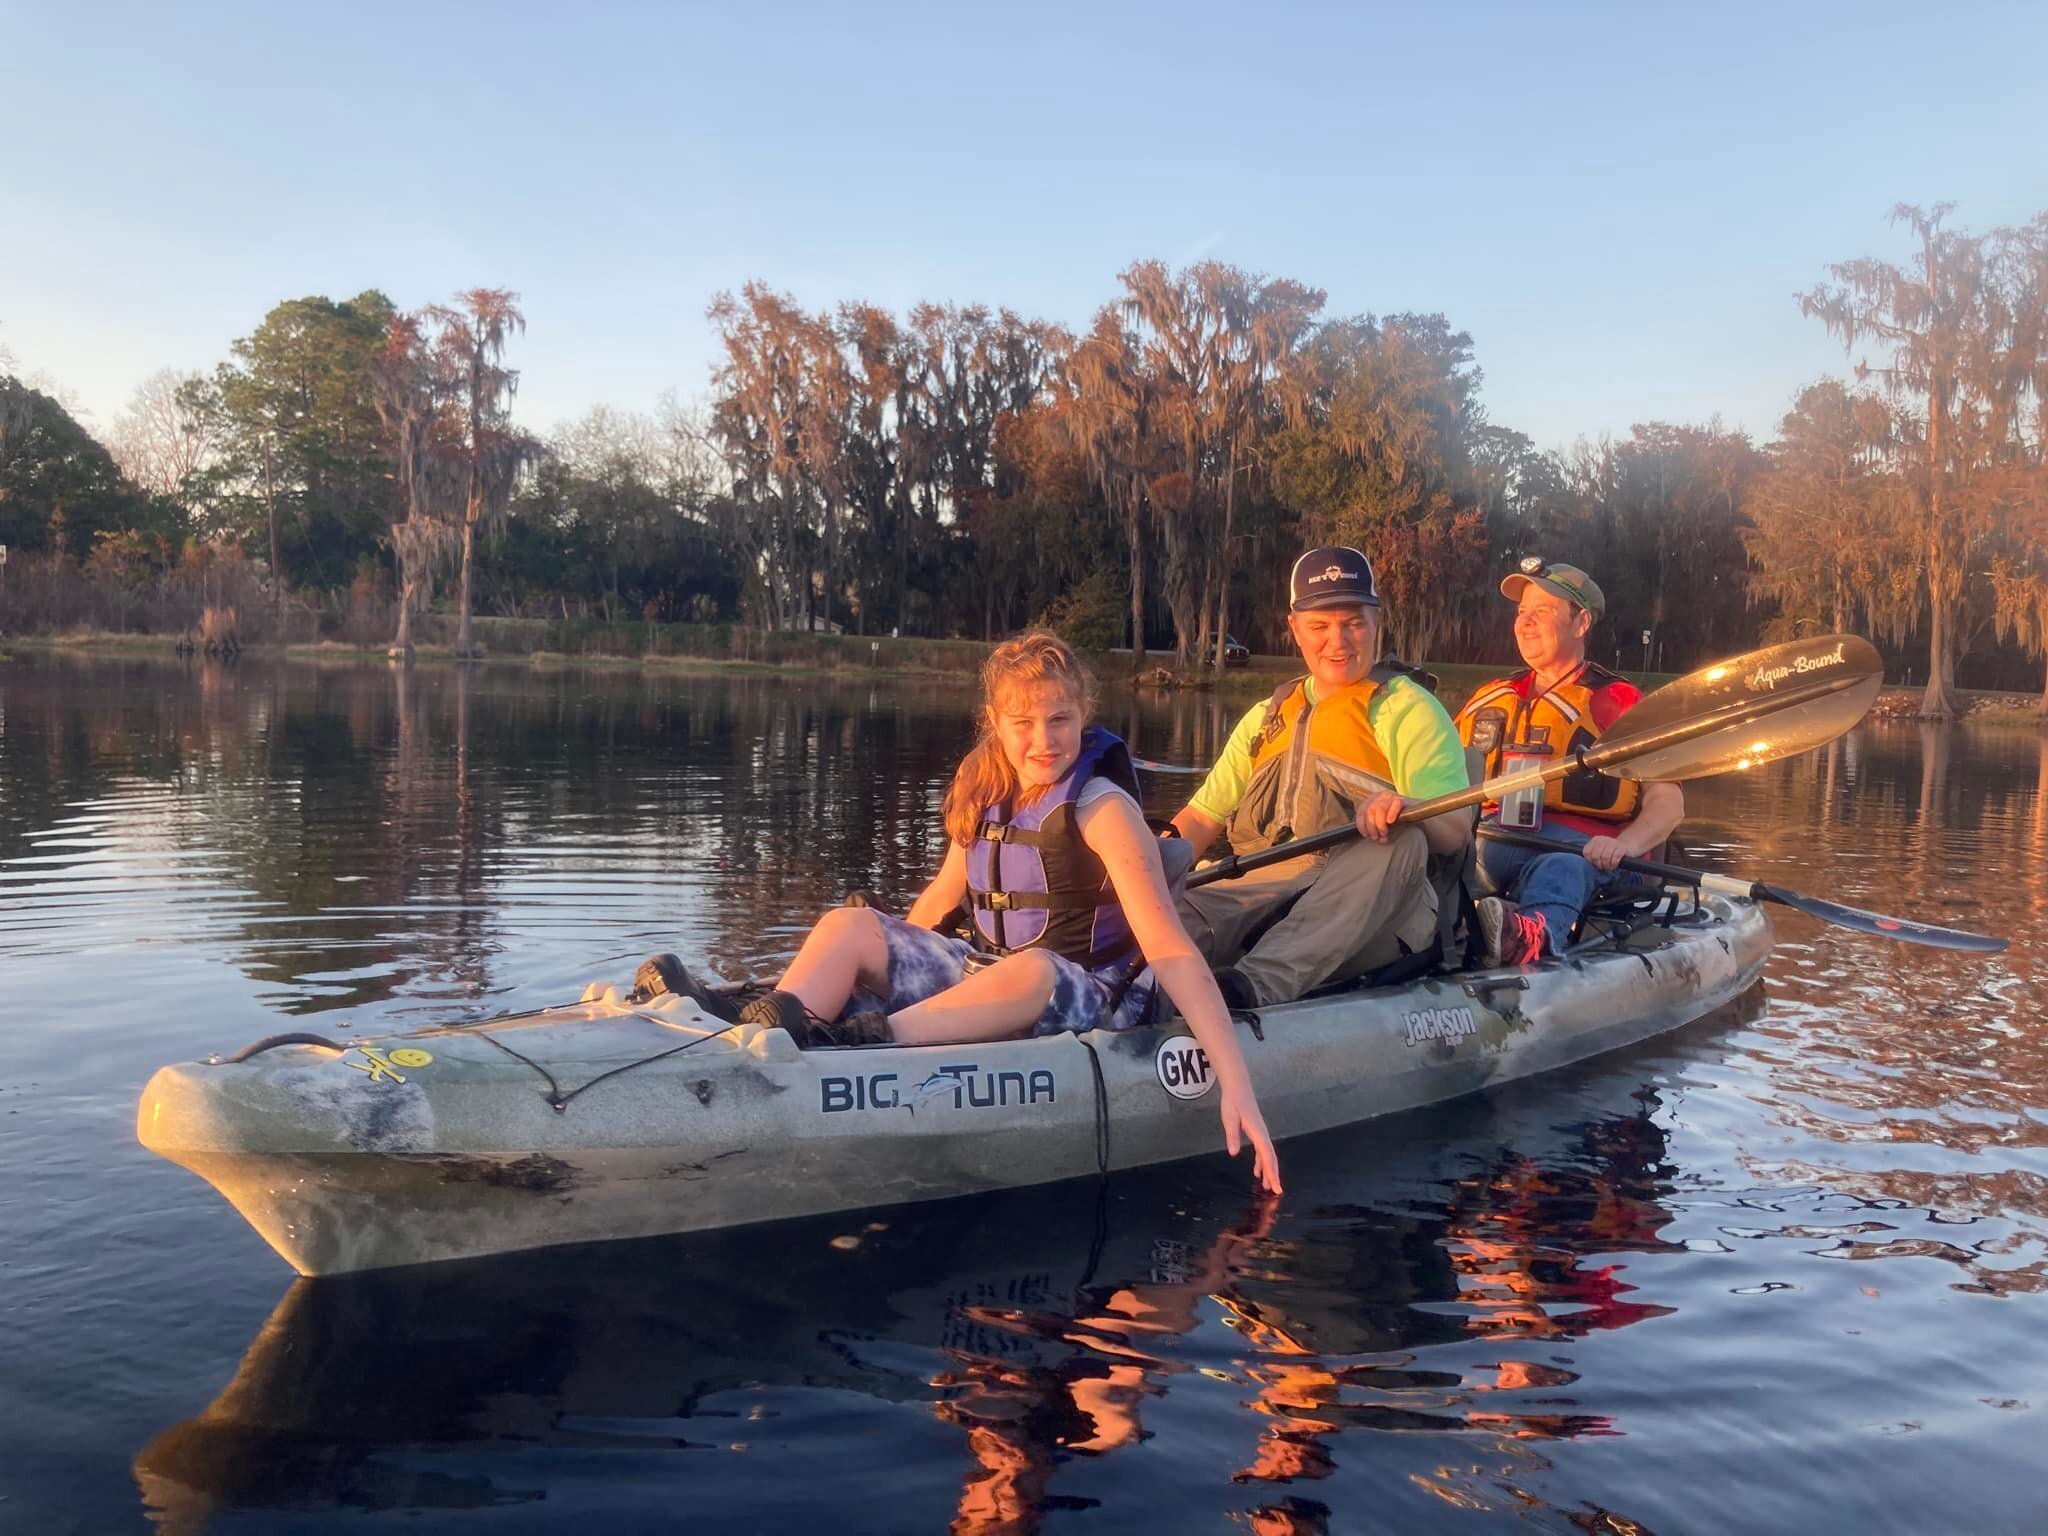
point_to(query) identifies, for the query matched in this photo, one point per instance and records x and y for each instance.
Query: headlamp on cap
(1557, 578)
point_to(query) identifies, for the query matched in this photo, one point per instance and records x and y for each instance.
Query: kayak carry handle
(295, 1037)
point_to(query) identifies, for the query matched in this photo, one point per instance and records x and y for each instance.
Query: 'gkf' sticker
(1183, 1067)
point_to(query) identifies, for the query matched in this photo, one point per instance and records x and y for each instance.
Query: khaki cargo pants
(1357, 906)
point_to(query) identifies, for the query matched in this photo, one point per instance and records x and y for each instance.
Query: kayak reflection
(1416, 1277)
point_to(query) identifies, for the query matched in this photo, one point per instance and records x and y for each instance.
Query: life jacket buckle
(998, 901)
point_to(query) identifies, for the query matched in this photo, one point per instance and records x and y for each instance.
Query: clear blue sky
(1618, 202)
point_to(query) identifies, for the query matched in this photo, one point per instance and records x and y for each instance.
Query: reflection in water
(1338, 1320)
(1904, 1069)
(392, 834)
(1829, 1216)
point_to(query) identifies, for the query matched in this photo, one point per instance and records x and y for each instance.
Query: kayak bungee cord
(1101, 1109)
(558, 1101)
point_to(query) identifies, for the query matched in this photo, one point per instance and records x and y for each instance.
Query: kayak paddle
(1734, 715)
(1933, 935)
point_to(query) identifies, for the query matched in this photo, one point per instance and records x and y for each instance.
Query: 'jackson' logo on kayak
(962, 1082)
(1770, 677)
(1448, 1024)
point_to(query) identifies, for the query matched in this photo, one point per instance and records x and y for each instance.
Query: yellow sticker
(376, 1064)
(410, 1056)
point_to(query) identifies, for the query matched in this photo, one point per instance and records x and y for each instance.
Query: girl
(1047, 847)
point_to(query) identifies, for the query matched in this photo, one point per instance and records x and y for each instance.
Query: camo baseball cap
(1331, 577)
(1565, 581)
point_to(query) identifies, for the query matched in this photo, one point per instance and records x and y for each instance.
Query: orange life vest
(1313, 765)
(1553, 724)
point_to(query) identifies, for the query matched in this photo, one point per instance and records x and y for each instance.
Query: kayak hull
(607, 1120)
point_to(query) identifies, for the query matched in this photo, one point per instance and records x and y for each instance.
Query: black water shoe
(662, 974)
(785, 1011)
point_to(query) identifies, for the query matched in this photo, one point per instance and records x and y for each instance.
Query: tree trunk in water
(401, 643)
(462, 646)
(1938, 703)
(1223, 559)
(831, 562)
(903, 568)
(276, 546)
(1137, 539)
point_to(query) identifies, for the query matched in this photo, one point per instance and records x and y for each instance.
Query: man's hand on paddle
(1376, 816)
(1603, 853)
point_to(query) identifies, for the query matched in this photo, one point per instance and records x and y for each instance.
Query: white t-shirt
(1099, 787)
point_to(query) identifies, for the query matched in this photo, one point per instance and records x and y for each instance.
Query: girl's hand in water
(1242, 1123)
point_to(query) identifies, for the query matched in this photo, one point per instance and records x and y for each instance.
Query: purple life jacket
(1033, 883)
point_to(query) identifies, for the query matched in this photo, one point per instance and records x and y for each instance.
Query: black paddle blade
(1833, 679)
(1933, 935)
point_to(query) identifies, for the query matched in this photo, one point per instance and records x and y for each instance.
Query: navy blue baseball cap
(1332, 577)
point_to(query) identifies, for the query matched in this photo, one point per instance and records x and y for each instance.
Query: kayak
(612, 1118)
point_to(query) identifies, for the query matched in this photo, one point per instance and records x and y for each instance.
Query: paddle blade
(1933, 935)
(1776, 702)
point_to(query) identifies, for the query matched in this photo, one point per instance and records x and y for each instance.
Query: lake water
(1779, 1271)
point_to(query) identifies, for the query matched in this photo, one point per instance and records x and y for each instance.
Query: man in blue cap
(1353, 741)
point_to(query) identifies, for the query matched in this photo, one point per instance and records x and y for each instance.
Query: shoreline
(2000, 709)
(439, 655)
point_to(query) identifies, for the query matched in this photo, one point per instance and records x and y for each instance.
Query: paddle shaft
(1588, 760)
(1836, 914)
(1720, 885)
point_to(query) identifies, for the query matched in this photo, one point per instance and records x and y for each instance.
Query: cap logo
(1333, 573)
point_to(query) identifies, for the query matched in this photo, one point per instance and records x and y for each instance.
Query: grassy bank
(728, 647)
(538, 642)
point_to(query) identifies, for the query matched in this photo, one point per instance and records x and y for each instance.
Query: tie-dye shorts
(922, 964)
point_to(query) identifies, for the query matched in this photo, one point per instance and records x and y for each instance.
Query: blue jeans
(1556, 885)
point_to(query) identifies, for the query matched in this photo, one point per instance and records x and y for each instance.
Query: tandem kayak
(612, 1119)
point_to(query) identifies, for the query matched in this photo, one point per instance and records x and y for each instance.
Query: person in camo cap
(1558, 703)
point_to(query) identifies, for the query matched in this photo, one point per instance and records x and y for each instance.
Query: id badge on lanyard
(1522, 808)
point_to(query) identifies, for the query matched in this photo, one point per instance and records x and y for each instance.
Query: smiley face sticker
(382, 1067)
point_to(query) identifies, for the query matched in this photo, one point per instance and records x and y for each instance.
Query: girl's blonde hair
(985, 777)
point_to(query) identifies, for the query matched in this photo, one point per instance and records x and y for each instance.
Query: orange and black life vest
(1553, 724)
(1314, 764)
